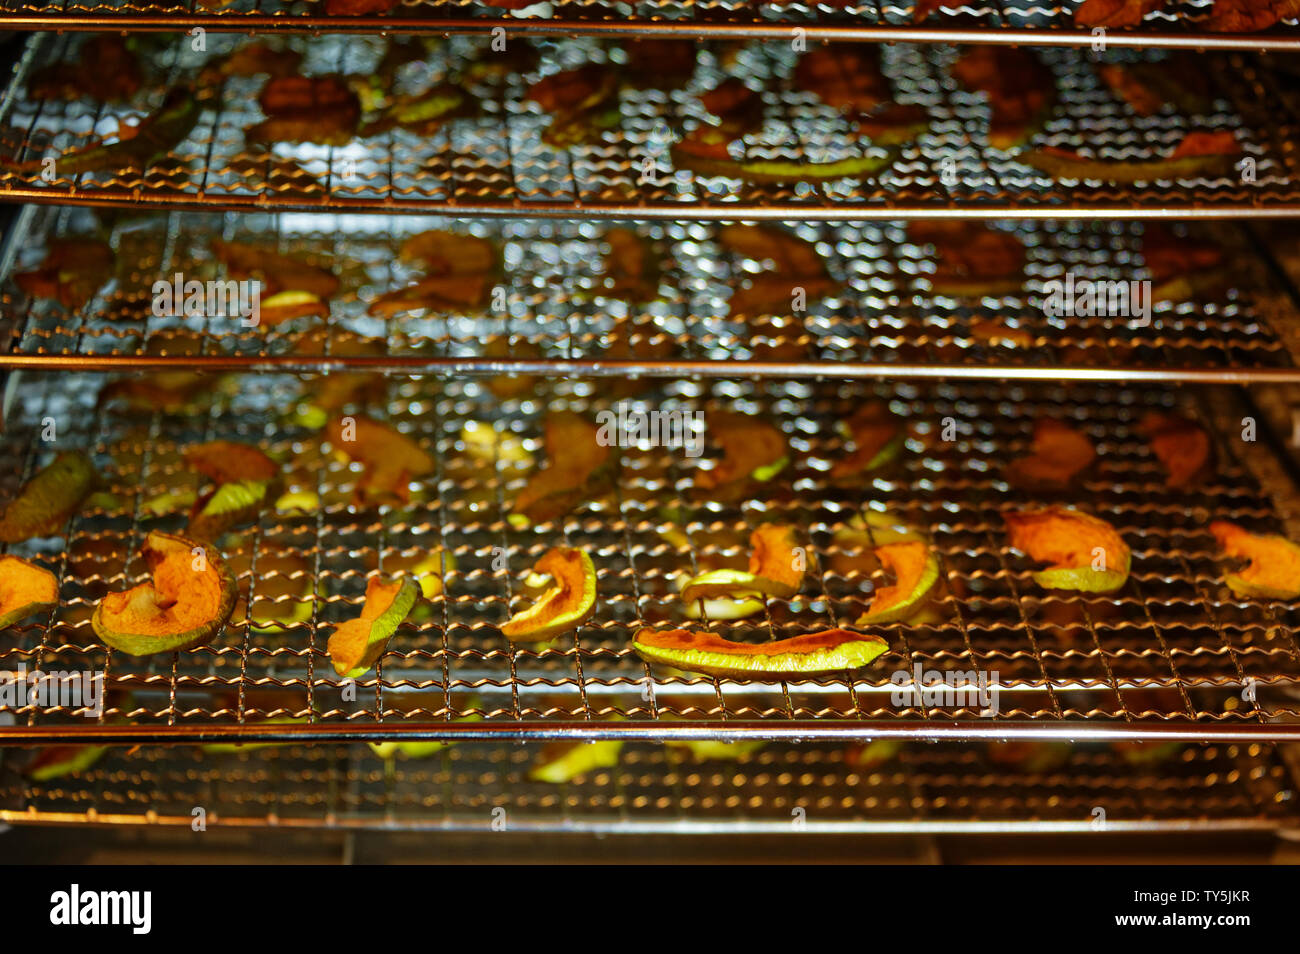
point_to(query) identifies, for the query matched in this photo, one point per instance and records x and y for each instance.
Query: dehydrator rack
(1182, 24)
(497, 165)
(1173, 659)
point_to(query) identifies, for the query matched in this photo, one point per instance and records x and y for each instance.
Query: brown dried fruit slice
(660, 63)
(391, 459)
(105, 69)
(1148, 87)
(459, 271)
(1085, 553)
(846, 76)
(878, 438)
(358, 643)
(581, 102)
(25, 590)
(1181, 266)
(1021, 90)
(574, 471)
(1059, 454)
(47, 501)
(74, 269)
(1274, 569)
(971, 259)
(566, 605)
(1248, 16)
(792, 263)
(1114, 13)
(228, 461)
(1182, 446)
(739, 109)
(1199, 154)
(318, 109)
(631, 267)
(752, 450)
(189, 599)
(277, 271)
(814, 654)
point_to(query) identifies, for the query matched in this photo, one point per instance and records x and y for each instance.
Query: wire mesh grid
(1177, 23)
(554, 303)
(498, 164)
(806, 788)
(1175, 644)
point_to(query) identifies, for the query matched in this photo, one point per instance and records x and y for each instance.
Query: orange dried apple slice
(227, 461)
(25, 590)
(1182, 446)
(878, 438)
(916, 571)
(814, 654)
(189, 599)
(391, 459)
(752, 451)
(1060, 453)
(777, 565)
(566, 605)
(1085, 553)
(1199, 154)
(575, 470)
(1274, 569)
(358, 643)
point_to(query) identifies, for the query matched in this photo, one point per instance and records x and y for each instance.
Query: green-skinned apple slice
(358, 643)
(830, 651)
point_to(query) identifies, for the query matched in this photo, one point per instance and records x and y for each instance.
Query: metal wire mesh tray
(1172, 655)
(497, 163)
(1178, 24)
(653, 788)
(552, 305)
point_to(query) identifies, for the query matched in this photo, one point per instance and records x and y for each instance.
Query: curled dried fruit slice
(1085, 553)
(971, 259)
(789, 263)
(832, 650)
(752, 450)
(1059, 454)
(1182, 447)
(1199, 154)
(319, 109)
(228, 506)
(565, 761)
(780, 170)
(189, 599)
(57, 761)
(49, 499)
(566, 605)
(391, 459)
(358, 643)
(847, 76)
(575, 469)
(25, 590)
(227, 461)
(1021, 90)
(916, 571)
(1274, 569)
(878, 438)
(776, 568)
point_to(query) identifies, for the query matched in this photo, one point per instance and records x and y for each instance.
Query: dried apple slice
(878, 438)
(752, 451)
(790, 263)
(780, 170)
(916, 571)
(847, 76)
(1021, 90)
(74, 269)
(1085, 553)
(391, 459)
(58, 761)
(227, 461)
(25, 590)
(814, 654)
(189, 599)
(47, 501)
(1114, 13)
(575, 470)
(1182, 446)
(632, 269)
(564, 761)
(358, 643)
(1060, 453)
(776, 568)
(566, 605)
(1274, 569)
(971, 259)
(228, 506)
(1199, 154)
